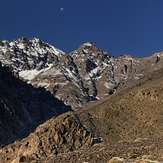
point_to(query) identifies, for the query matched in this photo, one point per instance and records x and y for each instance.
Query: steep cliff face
(86, 74)
(23, 107)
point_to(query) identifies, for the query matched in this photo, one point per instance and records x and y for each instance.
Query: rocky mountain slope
(23, 107)
(86, 74)
(39, 83)
(133, 111)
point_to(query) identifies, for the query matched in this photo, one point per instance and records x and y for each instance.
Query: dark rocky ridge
(23, 107)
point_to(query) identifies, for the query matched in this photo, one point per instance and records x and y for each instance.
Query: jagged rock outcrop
(23, 107)
(56, 136)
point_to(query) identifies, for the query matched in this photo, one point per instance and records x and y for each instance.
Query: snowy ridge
(33, 53)
(31, 74)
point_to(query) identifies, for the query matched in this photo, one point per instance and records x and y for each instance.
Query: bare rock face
(58, 135)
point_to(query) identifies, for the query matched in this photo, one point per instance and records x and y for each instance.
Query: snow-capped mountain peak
(27, 54)
(86, 74)
(88, 44)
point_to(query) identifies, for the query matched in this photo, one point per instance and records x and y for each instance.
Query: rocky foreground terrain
(86, 106)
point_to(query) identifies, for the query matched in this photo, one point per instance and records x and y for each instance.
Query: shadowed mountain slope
(23, 107)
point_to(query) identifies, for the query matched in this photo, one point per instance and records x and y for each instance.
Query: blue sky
(118, 26)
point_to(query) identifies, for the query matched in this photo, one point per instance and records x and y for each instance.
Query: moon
(62, 8)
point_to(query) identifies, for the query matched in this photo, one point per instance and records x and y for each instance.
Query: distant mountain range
(86, 74)
(106, 100)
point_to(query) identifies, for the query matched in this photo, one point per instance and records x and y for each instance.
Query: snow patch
(20, 46)
(68, 74)
(94, 72)
(85, 51)
(12, 43)
(88, 44)
(29, 74)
